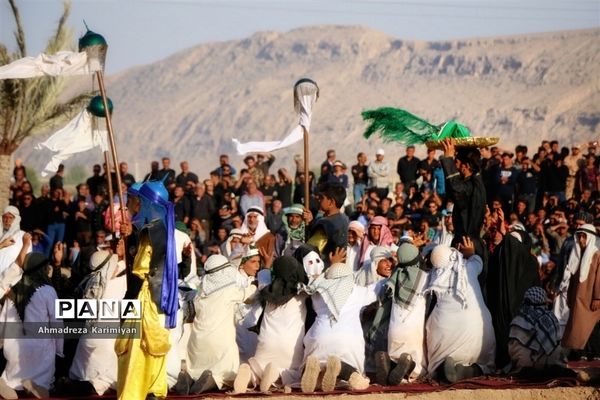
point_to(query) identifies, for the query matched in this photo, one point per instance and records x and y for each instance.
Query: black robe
(512, 270)
(469, 197)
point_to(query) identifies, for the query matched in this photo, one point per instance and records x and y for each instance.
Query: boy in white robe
(212, 348)
(95, 361)
(403, 307)
(279, 352)
(29, 304)
(247, 313)
(459, 330)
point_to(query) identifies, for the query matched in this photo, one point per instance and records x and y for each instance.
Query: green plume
(396, 125)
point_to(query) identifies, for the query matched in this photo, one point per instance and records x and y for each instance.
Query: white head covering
(103, 265)
(227, 249)
(448, 275)
(15, 226)
(250, 252)
(368, 275)
(261, 228)
(578, 260)
(220, 273)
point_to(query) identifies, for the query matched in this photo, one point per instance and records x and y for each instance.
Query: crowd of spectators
(546, 191)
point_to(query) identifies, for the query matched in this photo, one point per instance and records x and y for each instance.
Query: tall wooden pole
(110, 192)
(111, 142)
(306, 172)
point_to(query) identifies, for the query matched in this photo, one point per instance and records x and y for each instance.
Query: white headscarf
(103, 265)
(578, 260)
(15, 226)
(448, 275)
(227, 248)
(261, 228)
(368, 275)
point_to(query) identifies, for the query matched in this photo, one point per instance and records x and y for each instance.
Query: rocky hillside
(190, 105)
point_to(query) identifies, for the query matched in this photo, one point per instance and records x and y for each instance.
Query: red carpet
(477, 383)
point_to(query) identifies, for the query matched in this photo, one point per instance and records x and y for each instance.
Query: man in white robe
(403, 307)
(356, 233)
(29, 305)
(95, 360)
(248, 312)
(280, 351)
(213, 352)
(11, 239)
(459, 330)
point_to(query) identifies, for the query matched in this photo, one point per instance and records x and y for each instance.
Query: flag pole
(95, 47)
(306, 171)
(110, 192)
(111, 143)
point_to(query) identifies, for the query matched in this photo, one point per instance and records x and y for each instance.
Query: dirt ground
(561, 393)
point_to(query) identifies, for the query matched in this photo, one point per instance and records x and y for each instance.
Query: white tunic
(280, 340)
(31, 358)
(95, 359)
(406, 332)
(9, 254)
(180, 336)
(246, 316)
(342, 338)
(212, 344)
(465, 334)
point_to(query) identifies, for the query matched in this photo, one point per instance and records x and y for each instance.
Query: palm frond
(19, 34)
(63, 37)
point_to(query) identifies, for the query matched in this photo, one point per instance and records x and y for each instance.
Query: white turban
(16, 224)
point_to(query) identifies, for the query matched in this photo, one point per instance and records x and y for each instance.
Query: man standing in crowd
(126, 177)
(166, 174)
(186, 176)
(96, 182)
(379, 173)
(505, 181)
(573, 162)
(327, 165)
(360, 174)
(56, 182)
(408, 167)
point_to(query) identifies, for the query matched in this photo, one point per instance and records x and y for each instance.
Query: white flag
(76, 137)
(294, 136)
(60, 64)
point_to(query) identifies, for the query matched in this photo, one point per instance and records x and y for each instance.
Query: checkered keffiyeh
(535, 326)
(220, 273)
(334, 286)
(450, 279)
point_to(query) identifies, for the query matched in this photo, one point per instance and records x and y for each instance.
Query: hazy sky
(143, 31)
